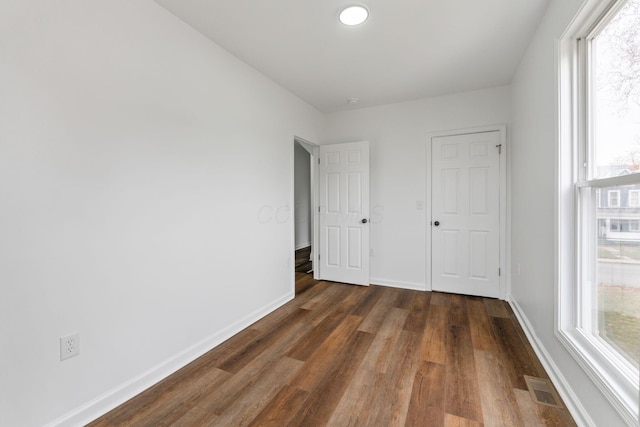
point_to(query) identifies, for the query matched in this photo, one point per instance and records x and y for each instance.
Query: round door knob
(364, 220)
(437, 223)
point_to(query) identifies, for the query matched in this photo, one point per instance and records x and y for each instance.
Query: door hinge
(499, 147)
(499, 272)
(318, 209)
(318, 160)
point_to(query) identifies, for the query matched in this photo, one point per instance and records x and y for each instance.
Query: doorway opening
(305, 155)
(336, 237)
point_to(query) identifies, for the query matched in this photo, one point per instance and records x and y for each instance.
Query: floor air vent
(542, 391)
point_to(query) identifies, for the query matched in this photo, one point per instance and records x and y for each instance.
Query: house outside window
(615, 225)
(599, 188)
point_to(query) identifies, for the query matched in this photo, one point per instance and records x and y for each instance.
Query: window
(599, 161)
(634, 198)
(599, 201)
(634, 225)
(615, 225)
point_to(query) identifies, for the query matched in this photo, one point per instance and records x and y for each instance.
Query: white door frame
(315, 241)
(504, 219)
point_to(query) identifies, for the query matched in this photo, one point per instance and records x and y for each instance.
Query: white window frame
(617, 201)
(637, 194)
(615, 377)
(634, 225)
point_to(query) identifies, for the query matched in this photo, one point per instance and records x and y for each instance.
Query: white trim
(595, 359)
(396, 284)
(125, 391)
(578, 412)
(310, 147)
(303, 246)
(315, 237)
(504, 213)
(427, 217)
(614, 181)
(596, 365)
(315, 219)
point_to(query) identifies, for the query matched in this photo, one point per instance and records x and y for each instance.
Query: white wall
(125, 140)
(398, 135)
(302, 196)
(533, 156)
(140, 168)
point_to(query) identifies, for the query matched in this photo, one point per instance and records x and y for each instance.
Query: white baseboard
(574, 405)
(303, 245)
(125, 391)
(396, 284)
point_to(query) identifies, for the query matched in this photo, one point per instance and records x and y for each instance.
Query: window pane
(616, 94)
(618, 273)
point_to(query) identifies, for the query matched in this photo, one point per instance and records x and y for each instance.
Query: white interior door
(344, 213)
(465, 226)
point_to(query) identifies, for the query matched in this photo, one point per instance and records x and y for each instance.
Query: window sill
(619, 384)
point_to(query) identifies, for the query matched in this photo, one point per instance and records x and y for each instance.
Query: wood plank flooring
(303, 260)
(343, 355)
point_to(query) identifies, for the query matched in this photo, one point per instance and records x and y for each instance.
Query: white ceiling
(407, 49)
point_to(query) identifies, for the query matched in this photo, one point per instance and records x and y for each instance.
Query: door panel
(355, 248)
(333, 246)
(466, 207)
(344, 203)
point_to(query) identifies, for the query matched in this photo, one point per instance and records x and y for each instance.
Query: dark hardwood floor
(343, 355)
(303, 261)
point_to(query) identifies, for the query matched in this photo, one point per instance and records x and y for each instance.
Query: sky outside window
(616, 55)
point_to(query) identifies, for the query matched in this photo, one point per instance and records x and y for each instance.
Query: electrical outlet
(69, 346)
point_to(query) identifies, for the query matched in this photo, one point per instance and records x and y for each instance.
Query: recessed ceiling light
(354, 15)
